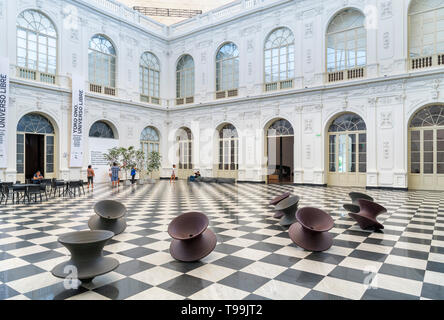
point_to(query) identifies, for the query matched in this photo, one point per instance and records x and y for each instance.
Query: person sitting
(37, 177)
(197, 174)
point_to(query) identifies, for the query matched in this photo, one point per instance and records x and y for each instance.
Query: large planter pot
(140, 181)
(127, 183)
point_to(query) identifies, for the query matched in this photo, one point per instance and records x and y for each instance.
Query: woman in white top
(173, 173)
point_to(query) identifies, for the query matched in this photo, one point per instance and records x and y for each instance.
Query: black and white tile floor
(254, 258)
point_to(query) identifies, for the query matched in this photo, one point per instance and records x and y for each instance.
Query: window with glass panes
(36, 42)
(149, 141)
(347, 140)
(185, 77)
(102, 62)
(228, 148)
(149, 77)
(227, 67)
(426, 28)
(279, 56)
(427, 141)
(185, 148)
(346, 41)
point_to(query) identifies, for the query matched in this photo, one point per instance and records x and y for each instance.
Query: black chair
(7, 191)
(57, 185)
(34, 191)
(44, 188)
(73, 186)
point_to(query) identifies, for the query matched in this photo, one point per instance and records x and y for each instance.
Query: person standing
(133, 175)
(173, 174)
(90, 176)
(115, 175)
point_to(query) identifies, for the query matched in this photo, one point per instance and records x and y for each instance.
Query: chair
(366, 218)
(86, 248)
(34, 190)
(276, 200)
(73, 186)
(44, 188)
(58, 185)
(311, 230)
(192, 240)
(7, 191)
(288, 206)
(354, 206)
(110, 215)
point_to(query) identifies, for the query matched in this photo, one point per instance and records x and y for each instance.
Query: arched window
(101, 129)
(347, 144)
(427, 149)
(185, 80)
(228, 148)
(185, 142)
(149, 140)
(36, 47)
(346, 46)
(280, 128)
(227, 71)
(149, 78)
(426, 33)
(279, 60)
(102, 65)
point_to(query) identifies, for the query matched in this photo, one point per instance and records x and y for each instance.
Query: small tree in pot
(153, 163)
(140, 161)
(128, 161)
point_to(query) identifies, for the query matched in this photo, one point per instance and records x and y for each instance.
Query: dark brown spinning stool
(311, 230)
(288, 206)
(110, 215)
(86, 255)
(354, 206)
(276, 200)
(192, 240)
(366, 218)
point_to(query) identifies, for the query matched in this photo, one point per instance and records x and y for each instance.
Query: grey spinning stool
(366, 218)
(288, 206)
(87, 260)
(110, 215)
(354, 206)
(192, 240)
(276, 200)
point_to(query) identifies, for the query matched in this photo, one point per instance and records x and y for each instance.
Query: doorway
(280, 152)
(35, 154)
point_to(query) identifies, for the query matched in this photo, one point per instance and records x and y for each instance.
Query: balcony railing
(35, 75)
(180, 101)
(227, 94)
(346, 75)
(97, 88)
(427, 62)
(279, 85)
(148, 99)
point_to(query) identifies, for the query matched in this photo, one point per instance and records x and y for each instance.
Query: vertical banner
(4, 104)
(77, 126)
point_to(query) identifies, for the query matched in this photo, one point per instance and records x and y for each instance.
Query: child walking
(90, 175)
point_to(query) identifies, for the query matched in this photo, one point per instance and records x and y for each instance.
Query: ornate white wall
(386, 99)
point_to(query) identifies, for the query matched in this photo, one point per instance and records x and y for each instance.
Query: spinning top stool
(276, 200)
(366, 218)
(110, 215)
(311, 230)
(192, 240)
(86, 255)
(354, 206)
(288, 206)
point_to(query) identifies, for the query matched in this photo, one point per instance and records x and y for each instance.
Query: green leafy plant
(112, 156)
(140, 160)
(153, 162)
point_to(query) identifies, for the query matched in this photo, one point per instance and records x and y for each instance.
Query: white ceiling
(203, 5)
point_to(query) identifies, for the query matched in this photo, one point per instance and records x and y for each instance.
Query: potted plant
(153, 163)
(140, 160)
(128, 161)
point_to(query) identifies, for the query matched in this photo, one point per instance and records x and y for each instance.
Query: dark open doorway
(280, 159)
(35, 154)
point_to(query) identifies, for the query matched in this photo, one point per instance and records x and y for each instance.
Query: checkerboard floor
(254, 257)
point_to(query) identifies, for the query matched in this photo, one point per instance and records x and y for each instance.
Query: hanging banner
(78, 118)
(4, 104)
